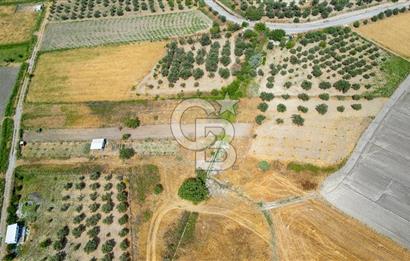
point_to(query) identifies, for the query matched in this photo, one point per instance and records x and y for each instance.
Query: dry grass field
(93, 74)
(315, 231)
(392, 33)
(15, 26)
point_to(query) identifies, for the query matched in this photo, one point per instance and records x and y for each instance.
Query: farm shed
(13, 234)
(97, 144)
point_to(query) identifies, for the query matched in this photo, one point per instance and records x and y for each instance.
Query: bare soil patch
(313, 231)
(392, 33)
(93, 74)
(15, 26)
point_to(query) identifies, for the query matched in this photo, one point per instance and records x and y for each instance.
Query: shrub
(303, 96)
(126, 136)
(356, 24)
(342, 85)
(123, 232)
(60, 244)
(108, 207)
(306, 85)
(285, 96)
(122, 207)
(281, 107)
(122, 196)
(125, 256)
(62, 233)
(79, 218)
(321, 108)
(263, 106)
(108, 220)
(77, 231)
(94, 207)
(68, 185)
(124, 244)
(224, 73)
(108, 186)
(158, 189)
(93, 232)
(132, 122)
(303, 109)
(126, 153)
(198, 73)
(298, 120)
(324, 96)
(259, 119)
(194, 189)
(45, 243)
(279, 121)
(95, 175)
(80, 185)
(324, 85)
(93, 220)
(124, 219)
(356, 106)
(91, 245)
(266, 96)
(263, 165)
(108, 246)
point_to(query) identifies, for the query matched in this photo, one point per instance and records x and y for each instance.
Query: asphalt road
(291, 28)
(374, 185)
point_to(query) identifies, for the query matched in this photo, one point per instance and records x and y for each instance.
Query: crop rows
(127, 29)
(83, 9)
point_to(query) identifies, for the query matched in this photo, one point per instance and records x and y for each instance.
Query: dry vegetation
(15, 26)
(392, 33)
(315, 231)
(95, 74)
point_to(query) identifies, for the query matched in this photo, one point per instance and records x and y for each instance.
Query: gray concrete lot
(374, 185)
(8, 77)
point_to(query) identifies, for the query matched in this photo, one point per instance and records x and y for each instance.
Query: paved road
(291, 28)
(17, 120)
(143, 132)
(374, 185)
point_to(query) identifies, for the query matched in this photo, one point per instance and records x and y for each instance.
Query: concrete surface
(374, 185)
(8, 77)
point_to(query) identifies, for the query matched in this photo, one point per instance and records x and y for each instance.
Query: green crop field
(120, 30)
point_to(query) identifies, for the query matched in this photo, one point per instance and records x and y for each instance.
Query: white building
(97, 144)
(13, 234)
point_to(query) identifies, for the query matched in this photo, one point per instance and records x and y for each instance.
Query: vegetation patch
(195, 189)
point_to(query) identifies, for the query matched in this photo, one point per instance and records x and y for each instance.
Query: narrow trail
(9, 177)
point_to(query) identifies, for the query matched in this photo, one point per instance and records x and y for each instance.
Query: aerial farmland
(204, 130)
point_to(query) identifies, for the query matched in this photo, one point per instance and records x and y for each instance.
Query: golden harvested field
(93, 74)
(15, 26)
(393, 33)
(315, 231)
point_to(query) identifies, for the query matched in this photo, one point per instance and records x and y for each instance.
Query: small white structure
(12, 234)
(97, 144)
(38, 7)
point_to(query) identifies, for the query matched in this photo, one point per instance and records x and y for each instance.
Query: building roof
(11, 234)
(97, 144)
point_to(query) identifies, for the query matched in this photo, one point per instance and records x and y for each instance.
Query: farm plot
(127, 29)
(15, 26)
(83, 9)
(296, 11)
(74, 213)
(314, 230)
(8, 76)
(331, 63)
(392, 33)
(92, 74)
(194, 64)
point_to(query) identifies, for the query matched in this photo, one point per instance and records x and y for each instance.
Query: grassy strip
(180, 235)
(40, 169)
(10, 53)
(12, 2)
(5, 142)
(143, 180)
(396, 69)
(299, 167)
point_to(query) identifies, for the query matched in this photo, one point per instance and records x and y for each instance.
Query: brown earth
(15, 26)
(315, 231)
(392, 33)
(93, 74)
